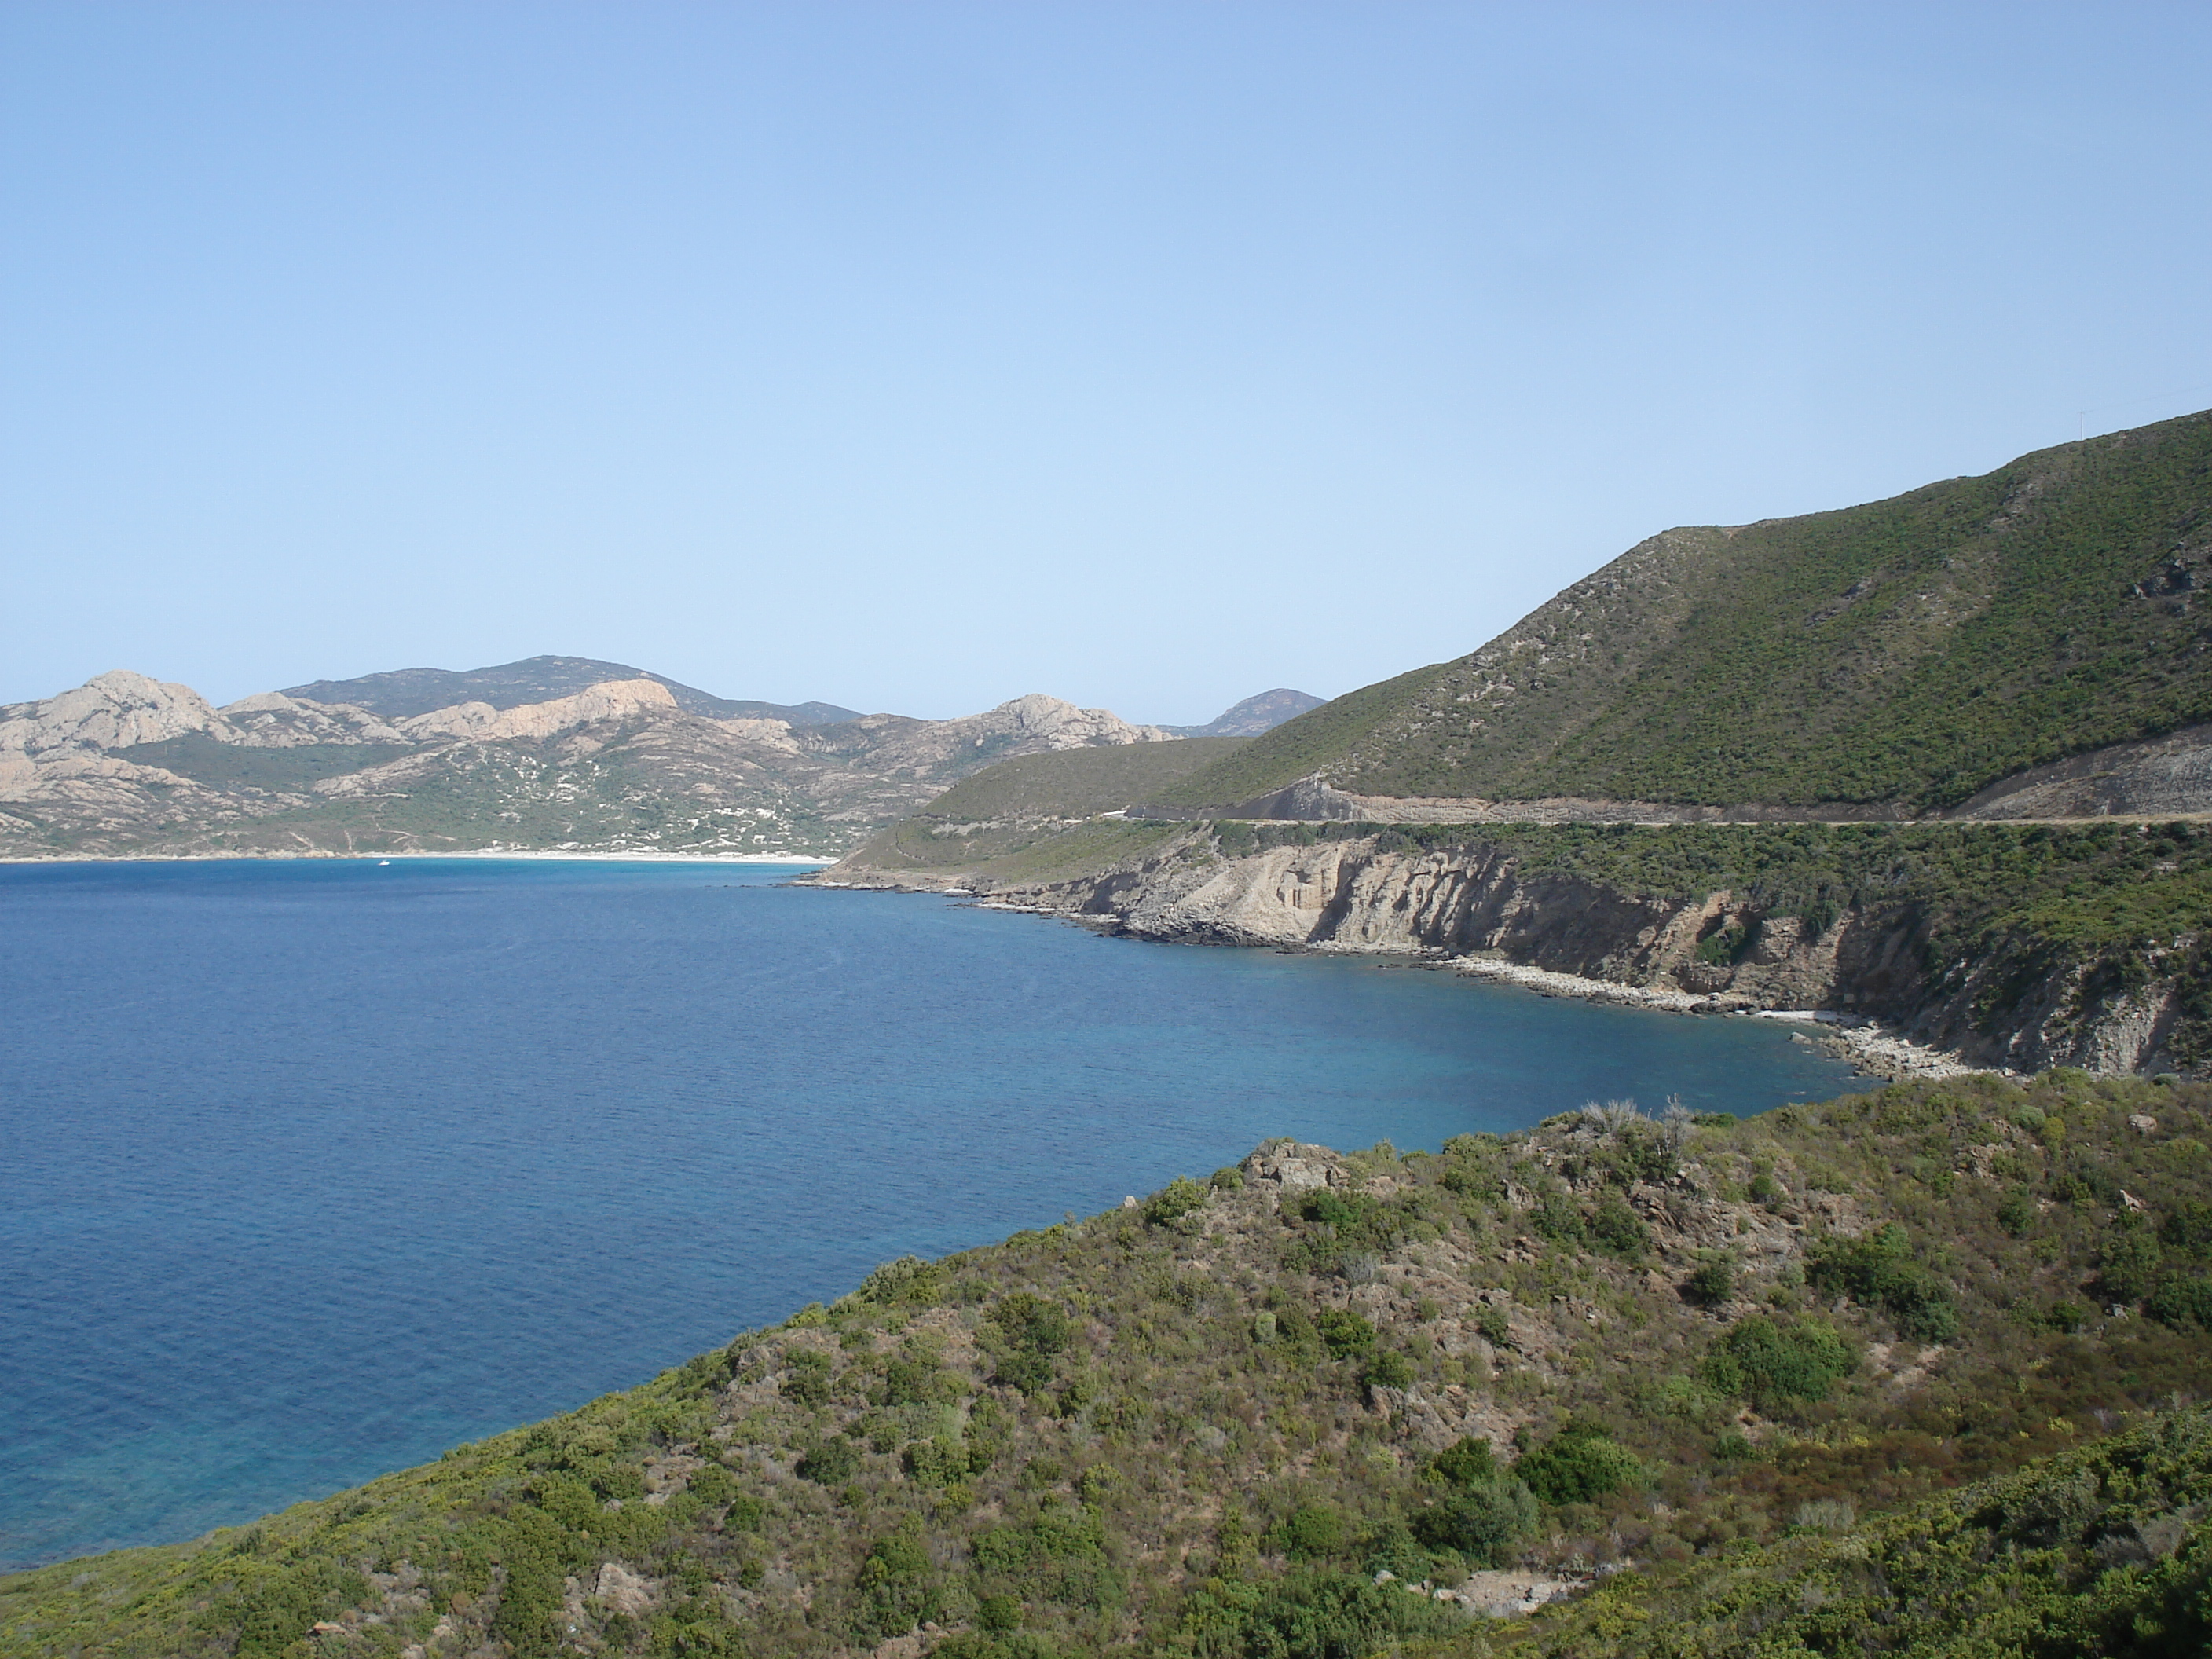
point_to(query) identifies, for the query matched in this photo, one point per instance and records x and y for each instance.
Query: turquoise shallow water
(315, 1168)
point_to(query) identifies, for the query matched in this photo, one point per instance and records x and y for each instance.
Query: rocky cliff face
(1476, 904)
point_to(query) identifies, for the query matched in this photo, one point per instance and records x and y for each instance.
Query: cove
(315, 1168)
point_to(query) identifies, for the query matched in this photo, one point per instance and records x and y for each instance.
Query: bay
(311, 1170)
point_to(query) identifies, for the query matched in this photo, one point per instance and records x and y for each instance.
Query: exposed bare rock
(614, 700)
(269, 719)
(114, 710)
(2169, 775)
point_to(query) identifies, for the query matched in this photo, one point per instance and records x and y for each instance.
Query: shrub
(1878, 1270)
(1616, 1229)
(829, 1462)
(1466, 1463)
(898, 1589)
(909, 1279)
(1177, 1199)
(1226, 1179)
(1034, 1330)
(1578, 1464)
(909, 1380)
(1060, 1556)
(2188, 1226)
(2180, 1302)
(1388, 1368)
(2128, 1268)
(1483, 1520)
(2016, 1215)
(1767, 1361)
(1310, 1615)
(807, 1376)
(1711, 1283)
(1312, 1532)
(713, 1486)
(938, 1462)
(1496, 1328)
(1344, 1333)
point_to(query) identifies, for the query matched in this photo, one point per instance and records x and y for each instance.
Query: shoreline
(790, 860)
(1866, 1045)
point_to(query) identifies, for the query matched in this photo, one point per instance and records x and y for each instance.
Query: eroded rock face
(114, 710)
(617, 700)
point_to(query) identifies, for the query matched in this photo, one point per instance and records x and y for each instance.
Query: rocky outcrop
(1474, 903)
(115, 710)
(2159, 777)
(617, 700)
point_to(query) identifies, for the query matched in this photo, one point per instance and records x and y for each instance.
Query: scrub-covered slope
(1211, 1424)
(1907, 654)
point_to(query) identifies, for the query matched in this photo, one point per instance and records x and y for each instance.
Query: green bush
(1577, 1465)
(714, 1486)
(1483, 1520)
(1034, 1330)
(1616, 1229)
(1312, 1532)
(1465, 1462)
(2017, 1214)
(909, 1380)
(830, 1463)
(1495, 1326)
(938, 1464)
(1769, 1361)
(2188, 1227)
(1226, 1179)
(807, 1376)
(910, 1280)
(1175, 1200)
(1878, 1270)
(898, 1588)
(1060, 1555)
(1311, 1614)
(1344, 1333)
(2181, 1301)
(1388, 1368)
(1711, 1283)
(2127, 1267)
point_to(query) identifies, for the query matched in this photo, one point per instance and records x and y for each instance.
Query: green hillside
(1758, 1365)
(1908, 652)
(1076, 783)
(1022, 820)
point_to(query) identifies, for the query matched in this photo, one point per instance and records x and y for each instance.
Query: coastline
(786, 860)
(1868, 1046)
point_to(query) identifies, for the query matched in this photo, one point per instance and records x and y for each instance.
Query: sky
(916, 356)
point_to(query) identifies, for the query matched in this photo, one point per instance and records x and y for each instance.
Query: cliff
(2017, 946)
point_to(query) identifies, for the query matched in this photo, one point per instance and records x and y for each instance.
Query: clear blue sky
(917, 355)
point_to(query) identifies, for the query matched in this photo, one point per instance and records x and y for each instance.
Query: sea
(310, 1169)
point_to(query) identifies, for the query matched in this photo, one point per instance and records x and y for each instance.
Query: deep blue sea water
(309, 1171)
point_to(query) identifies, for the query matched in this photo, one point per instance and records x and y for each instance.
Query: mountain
(1896, 658)
(1908, 1372)
(128, 765)
(1253, 715)
(407, 691)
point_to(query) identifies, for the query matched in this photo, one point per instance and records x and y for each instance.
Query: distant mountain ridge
(404, 691)
(1253, 715)
(528, 758)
